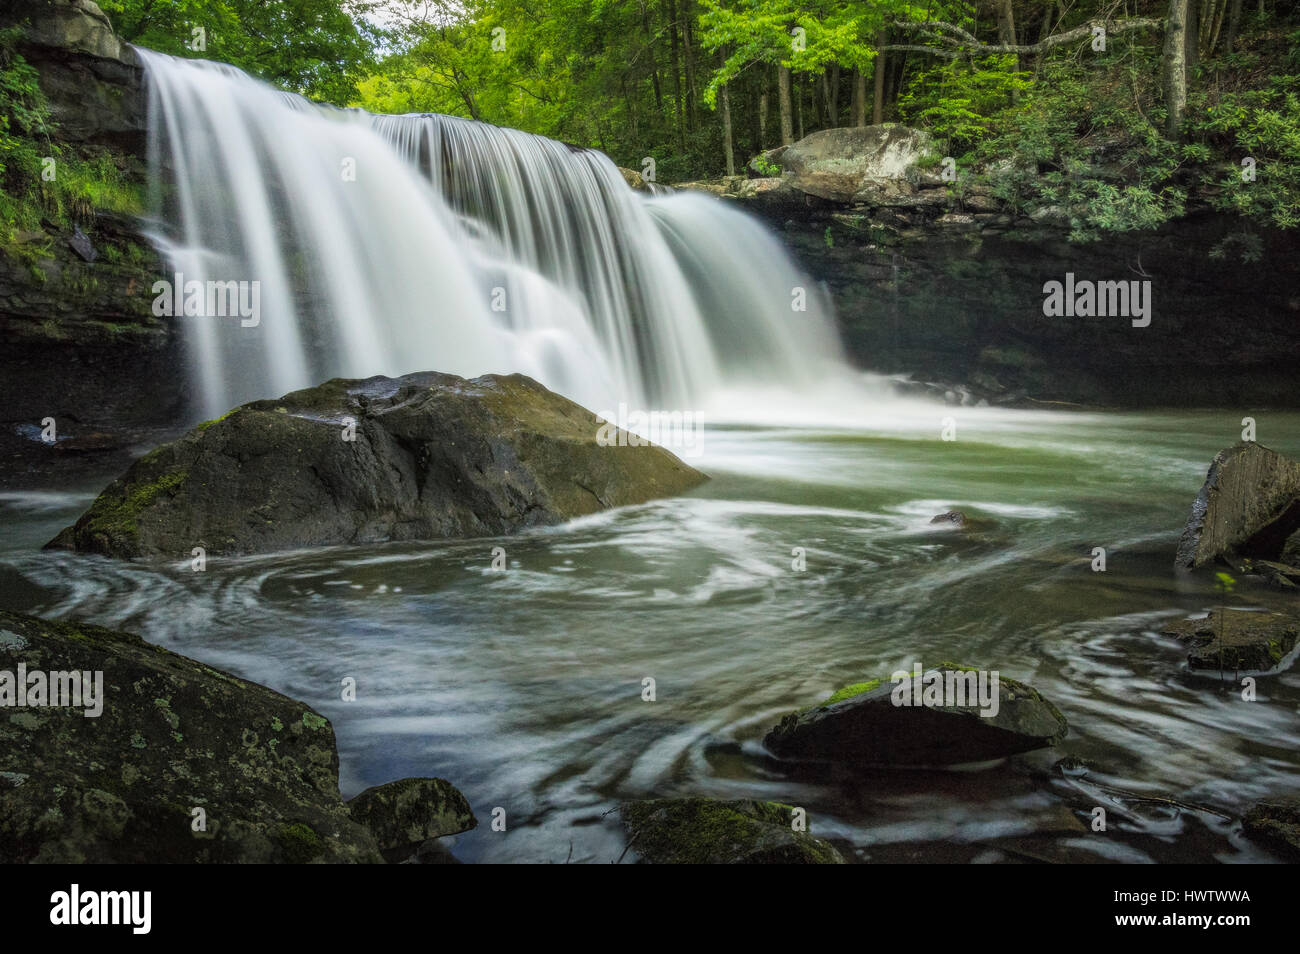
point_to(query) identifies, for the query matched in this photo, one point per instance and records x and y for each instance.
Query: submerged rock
(402, 815)
(174, 737)
(954, 518)
(1249, 506)
(424, 456)
(867, 724)
(705, 831)
(1275, 823)
(1236, 640)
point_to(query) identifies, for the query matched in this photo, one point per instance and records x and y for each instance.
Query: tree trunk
(1234, 21)
(1191, 37)
(724, 100)
(859, 98)
(878, 81)
(1215, 26)
(1175, 66)
(1007, 26)
(674, 54)
(688, 48)
(783, 97)
(833, 102)
(796, 92)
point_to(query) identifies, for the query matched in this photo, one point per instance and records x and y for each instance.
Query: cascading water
(388, 244)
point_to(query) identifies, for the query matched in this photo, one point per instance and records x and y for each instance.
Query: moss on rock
(708, 831)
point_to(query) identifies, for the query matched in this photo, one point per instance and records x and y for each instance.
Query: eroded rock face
(93, 80)
(404, 814)
(862, 725)
(705, 831)
(433, 456)
(1249, 506)
(173, 735)
(1236, 640)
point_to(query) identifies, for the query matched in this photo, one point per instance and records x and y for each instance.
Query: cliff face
(93, 81)
(952, 287)
(82, 344)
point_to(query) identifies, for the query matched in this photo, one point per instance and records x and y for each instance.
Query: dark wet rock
(82, 245)
(402, 815)
(1275, 574)
(1235, 640)
(863, 725)
(173, 735)
(1291, 550)
(954, 518)
(434, 456)
(708, 831)
(1249, 506)
(1275, 823)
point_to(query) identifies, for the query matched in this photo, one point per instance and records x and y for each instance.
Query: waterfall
(390, 244)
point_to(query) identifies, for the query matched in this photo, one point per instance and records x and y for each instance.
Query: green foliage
(40, 178)
(319, 48)
(1264, 125)
(765, 166)
(957, 101)
(1090, 143)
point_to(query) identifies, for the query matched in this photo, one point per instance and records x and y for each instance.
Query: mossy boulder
(1249, 506)
(402, 815)
(864, 724)
(425, 456)
(1236, 640)
(173, 736)
(705, 831)
(1275, 823)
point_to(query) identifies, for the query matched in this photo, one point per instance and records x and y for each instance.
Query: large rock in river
(1236, 640)
(171, 736)
(704, 831)
(402, 815)
(868, 164)
(864, 724)
(1248, 507)
(433, 456)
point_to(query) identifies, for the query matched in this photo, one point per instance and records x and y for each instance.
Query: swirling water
(524, 686)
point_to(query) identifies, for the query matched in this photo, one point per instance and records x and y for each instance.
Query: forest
(1118, 105)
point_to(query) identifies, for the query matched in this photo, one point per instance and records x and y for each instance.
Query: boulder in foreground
(704, 831)
(1248, 507)
(1236, 640)
(172, 736)
(862, 725)
(433, 456)
(402, 815)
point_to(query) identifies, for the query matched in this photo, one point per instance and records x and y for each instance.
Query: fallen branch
(960, 42)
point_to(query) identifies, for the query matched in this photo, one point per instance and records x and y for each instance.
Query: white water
(460, 247)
